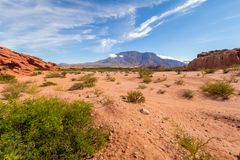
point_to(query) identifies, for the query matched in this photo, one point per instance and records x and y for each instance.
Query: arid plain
(156, 128)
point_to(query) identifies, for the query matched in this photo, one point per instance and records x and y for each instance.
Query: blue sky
(76, 31)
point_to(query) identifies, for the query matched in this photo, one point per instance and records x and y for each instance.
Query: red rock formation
(16, 63)
(216, 59)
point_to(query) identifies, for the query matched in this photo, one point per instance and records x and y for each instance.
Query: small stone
(144, 111)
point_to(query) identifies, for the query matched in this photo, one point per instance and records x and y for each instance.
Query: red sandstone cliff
(216, 59)
(16, 63)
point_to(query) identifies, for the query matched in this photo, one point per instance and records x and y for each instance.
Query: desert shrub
(86, 82)
(36, 73)
(135, 97)
(118, 83)
(77, 86)
(194, 148)
(209, 71)
(147, 79)
(141, 86)
(13, 90)
(49, 129)
(32, 89)
(218, 89)
(6, 78)
(110, 78)
(107, 101)
(160, 91)
(188, 94)
(48, 83)
(98, 92)
(145, 72)
(179, 82)
(55, 75)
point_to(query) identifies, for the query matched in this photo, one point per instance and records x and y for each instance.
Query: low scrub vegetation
(135, 97)
(107, 101)
(218, 89)
(208, 71)
(110, 78)
(188, 94)
(56, 75)
(48, 83)
(98, 92)
(13, 90)
(6, 78)
(49, 129)
(141, 86)
(145, 72)
(86, 82)
(36, 73)
(194, 148)
(147, 80)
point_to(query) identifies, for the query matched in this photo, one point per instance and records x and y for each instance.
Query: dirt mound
(216, 59)
(17, 63)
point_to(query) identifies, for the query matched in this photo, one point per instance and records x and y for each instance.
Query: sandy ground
(152, 137)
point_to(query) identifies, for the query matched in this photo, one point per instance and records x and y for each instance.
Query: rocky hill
(17, 63)
(136, 59)
(216, 59)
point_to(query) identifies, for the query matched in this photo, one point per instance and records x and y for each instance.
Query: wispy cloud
(47, 23)
(108, 43)
(146, 27)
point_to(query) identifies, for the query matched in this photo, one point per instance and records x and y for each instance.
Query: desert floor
(135, 135)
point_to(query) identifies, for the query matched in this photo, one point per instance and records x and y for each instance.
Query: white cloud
(166, 57)
(108, 43)
(46, 23)
(113, 55)
(146, 27)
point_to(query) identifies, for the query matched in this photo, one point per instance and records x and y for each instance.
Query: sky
(78, 31)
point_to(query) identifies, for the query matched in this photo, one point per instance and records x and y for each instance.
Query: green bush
(86, 82)
(56, 75)
(49, 129)
(188, 94)
(194, 148)
(209, 71)
(135, 97)
(141, 86)
(13, 90)
(48, 83)
(110, 78)
(147, 80)
(145, 72)
(218, 89)
(6, 78)
(36, 73)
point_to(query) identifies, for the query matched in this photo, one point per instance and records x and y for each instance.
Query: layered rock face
(15, 63)
(216, 59)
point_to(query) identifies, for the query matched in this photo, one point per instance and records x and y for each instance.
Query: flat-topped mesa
(16, 63)
(216, 59)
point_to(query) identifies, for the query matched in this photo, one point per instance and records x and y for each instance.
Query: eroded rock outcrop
(15, 63)
(216, 59)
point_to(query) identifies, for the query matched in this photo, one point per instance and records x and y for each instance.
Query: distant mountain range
(136, 59)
